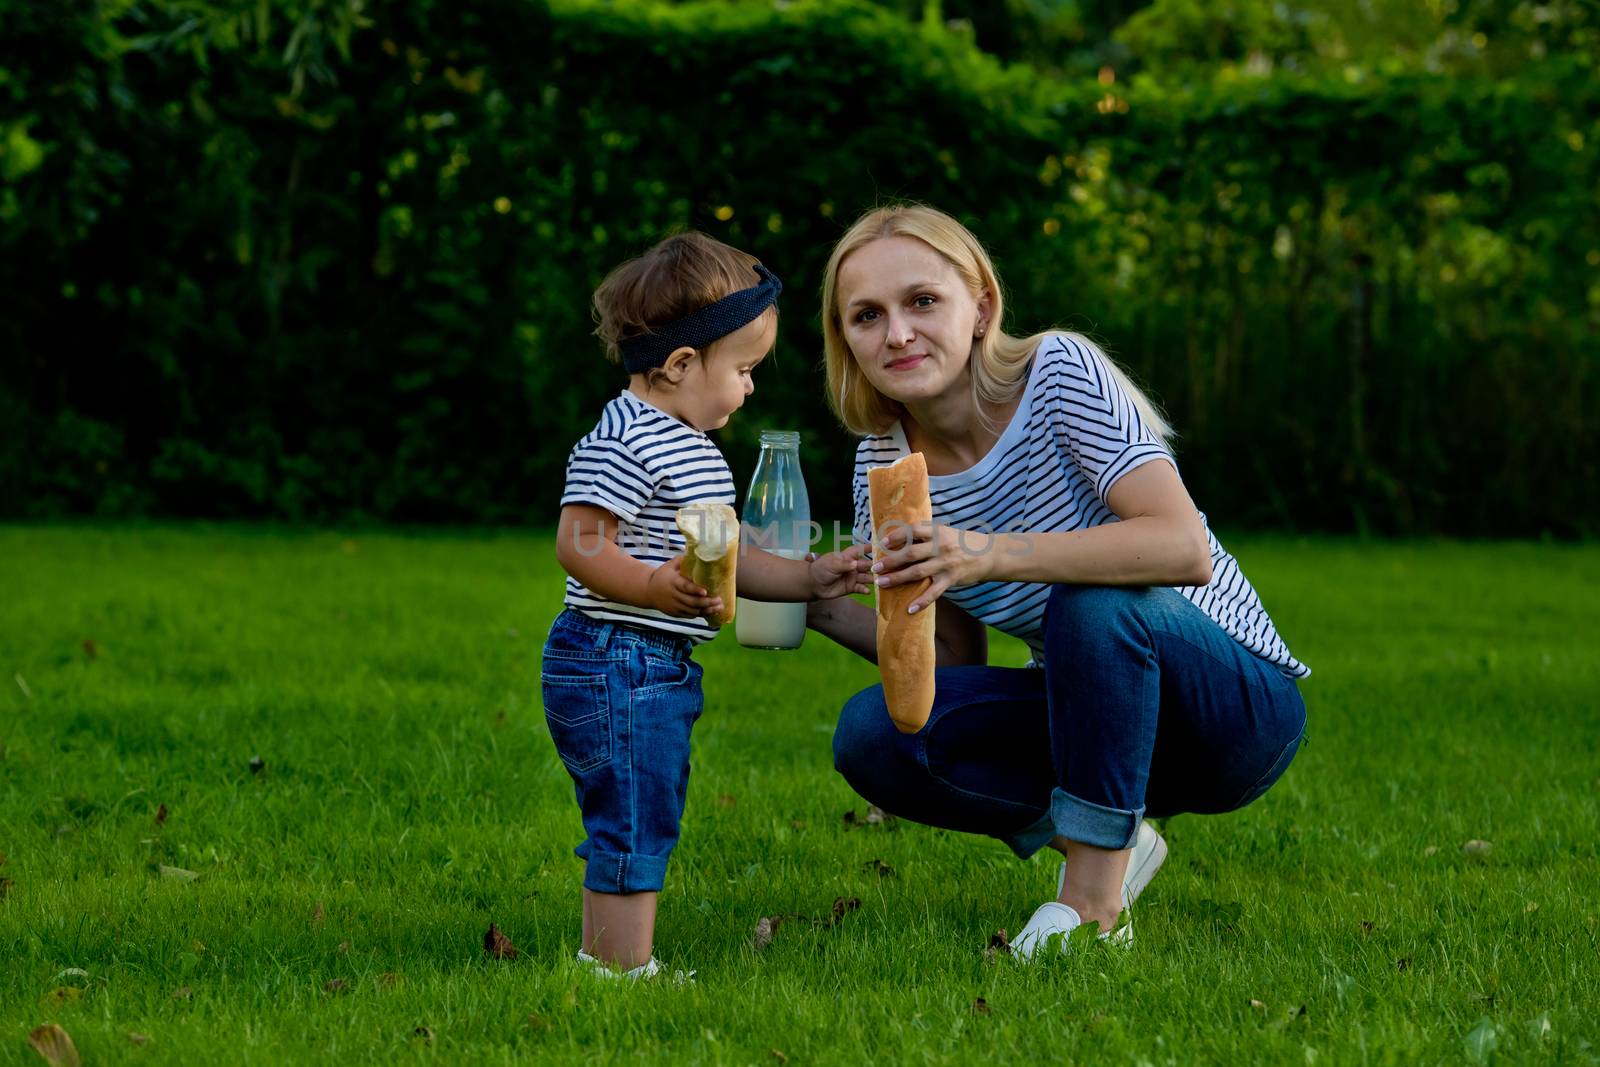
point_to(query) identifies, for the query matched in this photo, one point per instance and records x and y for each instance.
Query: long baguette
(899, 497)
(711, 552)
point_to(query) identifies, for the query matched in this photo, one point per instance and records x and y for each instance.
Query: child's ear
(677, 364)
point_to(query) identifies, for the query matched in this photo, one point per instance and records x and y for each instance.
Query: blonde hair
(680, 275)
(1000, 362)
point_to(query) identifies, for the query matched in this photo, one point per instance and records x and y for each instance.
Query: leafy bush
(305, 262)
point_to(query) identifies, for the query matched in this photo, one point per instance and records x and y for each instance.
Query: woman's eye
(924, 301)
(867, 315)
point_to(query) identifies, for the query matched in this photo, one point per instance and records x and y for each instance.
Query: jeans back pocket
(578, 711)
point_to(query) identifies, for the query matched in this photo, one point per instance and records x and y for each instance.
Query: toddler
(689, 321)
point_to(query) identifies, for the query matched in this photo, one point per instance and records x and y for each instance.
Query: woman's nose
(900, 332)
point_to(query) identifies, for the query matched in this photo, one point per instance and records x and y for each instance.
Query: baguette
(899, 496)
(711, 552)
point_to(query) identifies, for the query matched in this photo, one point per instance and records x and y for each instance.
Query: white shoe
(647, 970)
(1055, 919)
(1149, 853)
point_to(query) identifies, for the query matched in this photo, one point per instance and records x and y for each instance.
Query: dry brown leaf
(1431, 850)
(423, 1034)
(90, 649)
(1477, 848)
(537, 1023)
(727, 800)
(980, 1006)
(766, 927)
(876, 815)
(318, 915)
(1403, 963)
(798, 824)
(498, 944)
(5, 887)
(880, 868)
(388, 980)
(343, 949)
(161, 815)
(843, 906)
(1258, 1005)
(61, 996)
(2, 859)
(336, 986)
(138, 1039)
(55, 1046)
(849, 819)
(777, 1054)
(183, 992)
(1532, 907)
(177, 874)
(999, 945)
(1366, 926)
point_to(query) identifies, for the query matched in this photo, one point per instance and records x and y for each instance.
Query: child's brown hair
(681, 275)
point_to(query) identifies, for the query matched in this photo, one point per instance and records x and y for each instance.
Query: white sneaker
(1056, 919)
(647, 970)
(1149, 853)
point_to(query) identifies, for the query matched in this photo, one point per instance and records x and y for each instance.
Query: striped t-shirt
(1075, 432)
(642, 465)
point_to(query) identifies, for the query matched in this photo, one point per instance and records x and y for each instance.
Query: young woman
(1158, 683)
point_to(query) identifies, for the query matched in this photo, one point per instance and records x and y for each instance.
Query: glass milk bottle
(777, 518)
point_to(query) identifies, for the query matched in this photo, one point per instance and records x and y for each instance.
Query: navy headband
(699, 328)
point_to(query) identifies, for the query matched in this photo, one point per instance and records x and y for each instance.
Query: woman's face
(908, 318)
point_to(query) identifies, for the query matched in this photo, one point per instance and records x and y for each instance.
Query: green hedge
(299, 262)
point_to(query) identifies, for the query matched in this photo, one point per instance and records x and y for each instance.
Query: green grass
(390, 683)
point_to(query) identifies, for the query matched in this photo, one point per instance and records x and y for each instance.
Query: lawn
(262, 791)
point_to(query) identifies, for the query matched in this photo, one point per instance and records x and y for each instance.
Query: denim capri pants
(620, 701)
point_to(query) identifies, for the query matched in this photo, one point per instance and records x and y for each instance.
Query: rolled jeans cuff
(1089, 823)
(1031, 838)
(623, 872)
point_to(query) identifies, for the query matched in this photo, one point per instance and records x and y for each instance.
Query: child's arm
(764, 576)
(586, 548)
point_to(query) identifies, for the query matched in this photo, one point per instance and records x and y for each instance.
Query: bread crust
(711, 553)
(899, 497)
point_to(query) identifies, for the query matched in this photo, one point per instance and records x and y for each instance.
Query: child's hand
(670, 592)
(840, 573)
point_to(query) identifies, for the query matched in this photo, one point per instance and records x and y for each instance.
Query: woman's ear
(985, 309)
(677, 364)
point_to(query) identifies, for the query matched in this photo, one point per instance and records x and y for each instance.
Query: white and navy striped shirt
(1075, 432)
(642, 465)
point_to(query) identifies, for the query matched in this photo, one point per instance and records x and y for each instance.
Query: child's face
(717, 384)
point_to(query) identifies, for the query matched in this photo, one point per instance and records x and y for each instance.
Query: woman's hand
(947, 556)
(673, 594)
(839, 573)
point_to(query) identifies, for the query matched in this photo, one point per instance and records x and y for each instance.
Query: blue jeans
(1144, 706)
(620, 702)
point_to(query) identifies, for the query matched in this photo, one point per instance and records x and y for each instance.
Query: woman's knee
(858, 740)
(1084, 614)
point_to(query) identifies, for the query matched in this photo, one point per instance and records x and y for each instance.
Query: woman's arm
(959, 639)
(1160, 540)
(586, 548)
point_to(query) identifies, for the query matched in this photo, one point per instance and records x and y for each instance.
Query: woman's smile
(906, 362)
